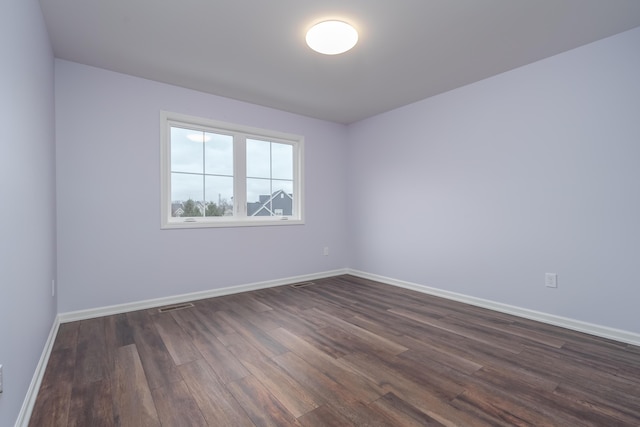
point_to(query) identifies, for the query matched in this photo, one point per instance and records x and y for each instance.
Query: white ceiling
(254, 50)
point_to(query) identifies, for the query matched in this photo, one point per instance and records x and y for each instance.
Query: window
(217, 174)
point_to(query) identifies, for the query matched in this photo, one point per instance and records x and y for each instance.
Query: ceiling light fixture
(332, 37)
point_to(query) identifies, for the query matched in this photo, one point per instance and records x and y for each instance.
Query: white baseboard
(34, 387)
(177, 299)
(564, 322)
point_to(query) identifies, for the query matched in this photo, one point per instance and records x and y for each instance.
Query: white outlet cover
(551, 280)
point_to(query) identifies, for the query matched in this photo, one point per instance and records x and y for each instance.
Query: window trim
(239, 218)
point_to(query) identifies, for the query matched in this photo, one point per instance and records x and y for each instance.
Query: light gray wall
(27, 213)
(484, 189)
(111, 249)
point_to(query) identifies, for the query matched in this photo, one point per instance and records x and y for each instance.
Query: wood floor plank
(91, 360)
(330, 340)
(290, 318)
(376, 342)
(511, 330)
(498, 410)
(360, 387)
(287, 299)
(621, 363)
(284, 388)
(54, 397)
(324, 416)
(118, 331)
(67, 336)
(177, 395)
(92, 405)
(570, 371)
(402, 413)
(218, 406)
(288, 391)
(158, 364)
(454, 343)
(548, 403)
(226, 366)
(207, 311)
(258, 319)
(133, 403)
(440, 377)
(192, 321)
(513, 377)
(255, 304)
(325, 389)
(442, 355)
(258, 338)
(176, 340)
(600, 406)
(261, 406)
(417, 393)
(463, 330)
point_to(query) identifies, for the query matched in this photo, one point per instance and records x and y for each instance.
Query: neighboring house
(279, 203)
(176, 209)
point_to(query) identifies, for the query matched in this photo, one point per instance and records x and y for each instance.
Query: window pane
(186, 150)
(218, 154)
(282, 200)
(258, 158)
(218, 195)
(285, 186)
(267, 197)
(281, 161)
(258, 197)
(186, 195)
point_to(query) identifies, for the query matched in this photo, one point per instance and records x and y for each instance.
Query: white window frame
(240, 134)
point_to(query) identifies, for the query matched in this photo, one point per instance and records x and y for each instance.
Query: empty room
(215, 213)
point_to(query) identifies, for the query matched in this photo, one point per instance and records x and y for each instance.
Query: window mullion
(204, 181)
(271, 177)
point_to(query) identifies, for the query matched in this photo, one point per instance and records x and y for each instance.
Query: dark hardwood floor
(343, 351)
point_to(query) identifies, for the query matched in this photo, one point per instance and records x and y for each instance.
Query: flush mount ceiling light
(332, 37)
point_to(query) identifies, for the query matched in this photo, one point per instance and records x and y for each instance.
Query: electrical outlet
(551, 280)
(325, 252)
(0, 378)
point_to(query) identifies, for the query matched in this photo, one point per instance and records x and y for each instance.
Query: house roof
(265, 205)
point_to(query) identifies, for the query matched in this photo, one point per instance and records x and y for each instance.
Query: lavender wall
(111, 249)
(483, 189)
(27, 216)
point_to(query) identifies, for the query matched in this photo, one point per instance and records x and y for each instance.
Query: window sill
(183, 224)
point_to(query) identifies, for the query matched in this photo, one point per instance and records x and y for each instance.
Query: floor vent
(302, 284)
(175, 307)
